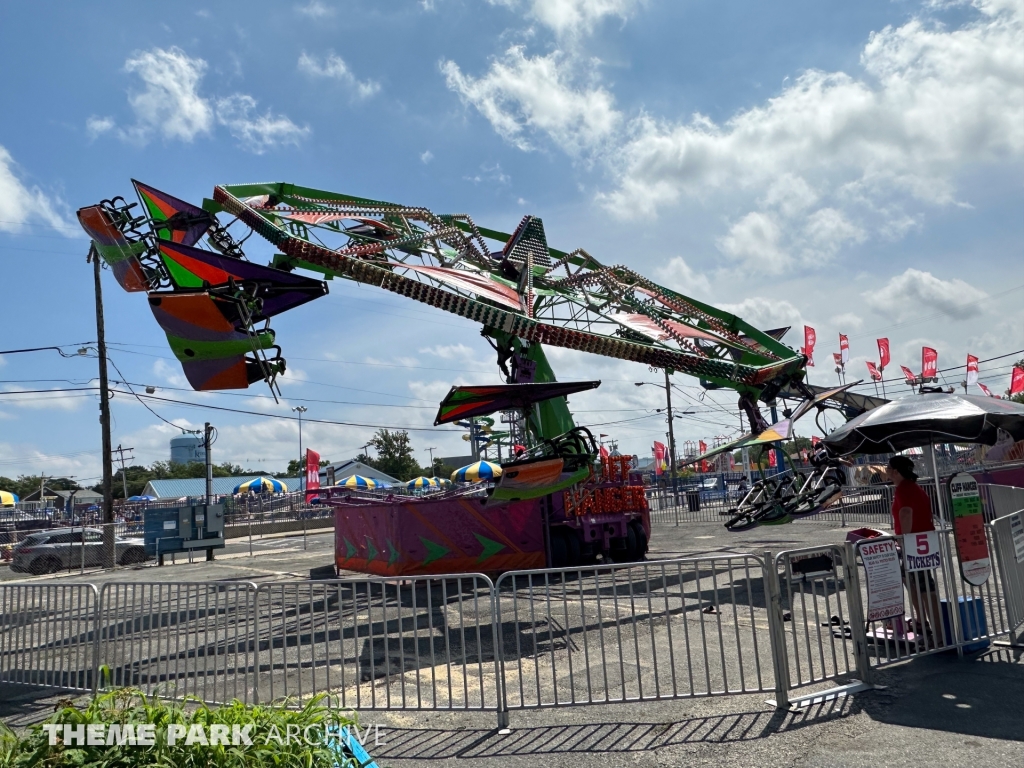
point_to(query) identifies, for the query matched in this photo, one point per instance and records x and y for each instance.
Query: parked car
(61, 548)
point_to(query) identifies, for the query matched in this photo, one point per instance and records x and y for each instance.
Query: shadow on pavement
(583, 738)
(977, 696)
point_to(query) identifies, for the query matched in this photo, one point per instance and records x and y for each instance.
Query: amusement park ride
(553, 505)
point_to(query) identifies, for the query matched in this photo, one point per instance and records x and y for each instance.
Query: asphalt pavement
(937, 710)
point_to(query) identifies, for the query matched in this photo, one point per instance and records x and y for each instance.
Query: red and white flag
(604, 452)
(659, 458)
(772, 461)
(815, 440)
(312, 474)
(837, 358)
(1017, 381)
(929, 363)
(986, 390)
(972, 370)
(883, 353)
(844, 348)
(909, 375)
(810, 339)
(703, 447)
(876, 375)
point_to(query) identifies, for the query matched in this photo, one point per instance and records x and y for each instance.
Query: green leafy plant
(268, 728)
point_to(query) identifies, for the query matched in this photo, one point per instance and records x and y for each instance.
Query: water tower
(187, 448)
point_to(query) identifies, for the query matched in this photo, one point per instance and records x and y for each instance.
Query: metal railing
(413, 643)
(658, 630)
(703, 626)
(47, 635)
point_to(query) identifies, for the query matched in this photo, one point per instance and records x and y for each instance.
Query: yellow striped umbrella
(476, 472)
(358, 481)
(421, 482)
(7, 498)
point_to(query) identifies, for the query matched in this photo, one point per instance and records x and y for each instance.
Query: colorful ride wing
(196, 269)
(120, 255)
(173, 219)
(533, 479)
(201, 330)
(467, 402)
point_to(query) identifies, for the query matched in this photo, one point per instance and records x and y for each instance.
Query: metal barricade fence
(179, 639)
(47, 635)
(1007, 534)
(424, 642)
(814, 592)
(656, 630)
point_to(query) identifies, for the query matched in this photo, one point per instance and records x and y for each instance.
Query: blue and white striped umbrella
(358, 481)
(476, 472)
(421, 482)
(262, 485)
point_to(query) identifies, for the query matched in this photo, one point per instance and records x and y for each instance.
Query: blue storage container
(972, 620)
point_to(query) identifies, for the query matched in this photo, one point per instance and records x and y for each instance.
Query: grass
(128, 706)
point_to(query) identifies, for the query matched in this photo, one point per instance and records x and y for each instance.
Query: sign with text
(921, 551)
(1017, 534)
(884, 580)
(969, 527)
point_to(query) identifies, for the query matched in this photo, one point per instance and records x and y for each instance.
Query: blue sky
(854, 166)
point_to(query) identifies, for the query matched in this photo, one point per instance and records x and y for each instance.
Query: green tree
(296, 467)
(394, 455)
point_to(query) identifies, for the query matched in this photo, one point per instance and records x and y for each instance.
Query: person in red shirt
(912, 513)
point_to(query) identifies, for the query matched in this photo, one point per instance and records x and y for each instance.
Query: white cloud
(833, 159)
(572, 18)
(848, 321)
(680, 276)
(756, 242)
(21, 204)
(257, 133)
(97, 126)
(335, 68)
(521, 94)
(915, 292)
(170, 104)
(315, 9)
(931, 102)
(426, 157)
(766, 314)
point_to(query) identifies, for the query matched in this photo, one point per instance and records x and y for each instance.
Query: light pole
(431, 451)
(671, 432)
(301, 409)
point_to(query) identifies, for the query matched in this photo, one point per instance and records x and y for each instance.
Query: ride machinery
(556, 503)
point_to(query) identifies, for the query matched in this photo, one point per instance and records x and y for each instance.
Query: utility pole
(671, 438)
(207, 440)
(301, 409)
(101, 347)
(124, 479)
(434, 448)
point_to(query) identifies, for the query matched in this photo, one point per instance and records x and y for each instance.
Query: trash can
(693, 501)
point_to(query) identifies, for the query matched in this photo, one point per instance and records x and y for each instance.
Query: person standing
(912, 513)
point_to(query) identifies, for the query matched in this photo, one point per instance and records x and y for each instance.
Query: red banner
(810, 339)
(909, 375)
(929, 363)
(837, 358)
(844, 348)
(772, 461)
(972, 370)
(986, 390)
(875, 373)
(703, 447)
(815, 440)
(883, 352)
(604, 452)
(312, 474)
(1017, 381)
(659, 458)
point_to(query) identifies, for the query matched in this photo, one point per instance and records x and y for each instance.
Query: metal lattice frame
(567, 300)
